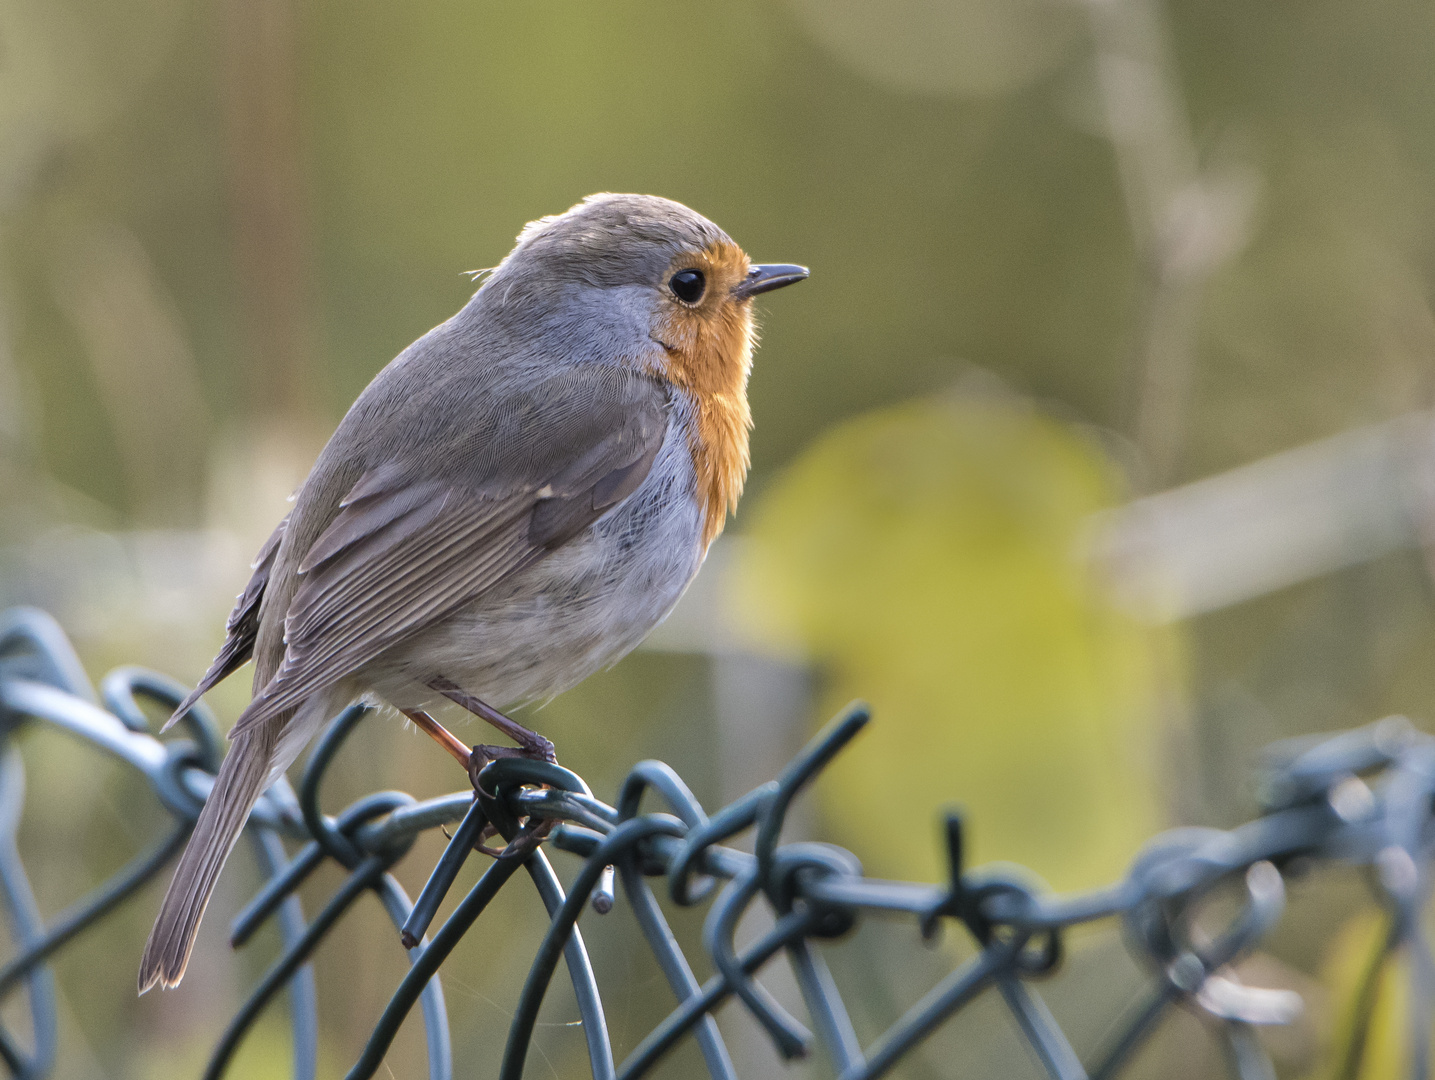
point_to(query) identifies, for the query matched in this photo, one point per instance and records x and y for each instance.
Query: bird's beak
(764, 277)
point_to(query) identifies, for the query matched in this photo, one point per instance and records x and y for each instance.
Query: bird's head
(647, 282)
(645, 279)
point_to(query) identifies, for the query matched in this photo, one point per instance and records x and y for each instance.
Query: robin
(513, 503)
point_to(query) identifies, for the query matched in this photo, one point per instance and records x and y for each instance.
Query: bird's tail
(241, 780)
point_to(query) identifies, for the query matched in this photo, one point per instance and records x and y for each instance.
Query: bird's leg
(483, 753)
(530, 743)
(441, 735)
(532, 832)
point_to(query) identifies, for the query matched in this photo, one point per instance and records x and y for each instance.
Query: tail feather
(241, 780)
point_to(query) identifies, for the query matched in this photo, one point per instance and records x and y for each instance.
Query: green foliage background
(218, 218)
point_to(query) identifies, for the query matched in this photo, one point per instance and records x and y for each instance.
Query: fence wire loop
(1193, 903)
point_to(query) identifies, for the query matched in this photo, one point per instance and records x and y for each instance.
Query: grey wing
(405, 551)
(242, 627)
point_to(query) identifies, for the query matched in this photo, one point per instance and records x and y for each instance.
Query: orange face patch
(708, 352)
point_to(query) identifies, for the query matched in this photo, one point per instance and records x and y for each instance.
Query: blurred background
(1095, 454)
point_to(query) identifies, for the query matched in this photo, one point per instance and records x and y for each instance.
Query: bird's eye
(688, 285)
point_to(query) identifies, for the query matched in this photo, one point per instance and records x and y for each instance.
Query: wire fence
(1363, 797)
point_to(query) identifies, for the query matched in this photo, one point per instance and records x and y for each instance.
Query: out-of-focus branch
(1185, 223)
(140, 356)
(1274, 522)
(273, 254)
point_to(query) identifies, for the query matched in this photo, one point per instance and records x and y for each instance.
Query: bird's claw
(532, 833)
(534, 830)
(481, 755)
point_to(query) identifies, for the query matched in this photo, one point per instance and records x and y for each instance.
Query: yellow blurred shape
(925, 556)
(1346, 972)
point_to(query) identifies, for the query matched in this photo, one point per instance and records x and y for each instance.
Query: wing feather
(367, 516)
(404, 551)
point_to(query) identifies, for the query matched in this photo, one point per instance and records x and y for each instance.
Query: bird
(511, 504)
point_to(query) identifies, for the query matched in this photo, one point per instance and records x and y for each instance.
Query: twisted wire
(1362, 797)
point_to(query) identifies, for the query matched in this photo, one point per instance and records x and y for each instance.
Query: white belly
(577, 610)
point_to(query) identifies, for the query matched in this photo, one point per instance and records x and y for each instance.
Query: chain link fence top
(1363, 797)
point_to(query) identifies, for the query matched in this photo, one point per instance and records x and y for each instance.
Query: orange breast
(709, 355)
(720, 456)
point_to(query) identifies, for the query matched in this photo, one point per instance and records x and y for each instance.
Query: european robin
(513, 503)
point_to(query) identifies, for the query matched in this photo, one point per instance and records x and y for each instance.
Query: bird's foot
(531, 745)
(533, 831)
(530, 834)
(481, 755)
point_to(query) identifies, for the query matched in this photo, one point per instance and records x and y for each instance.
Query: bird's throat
(710, 361)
